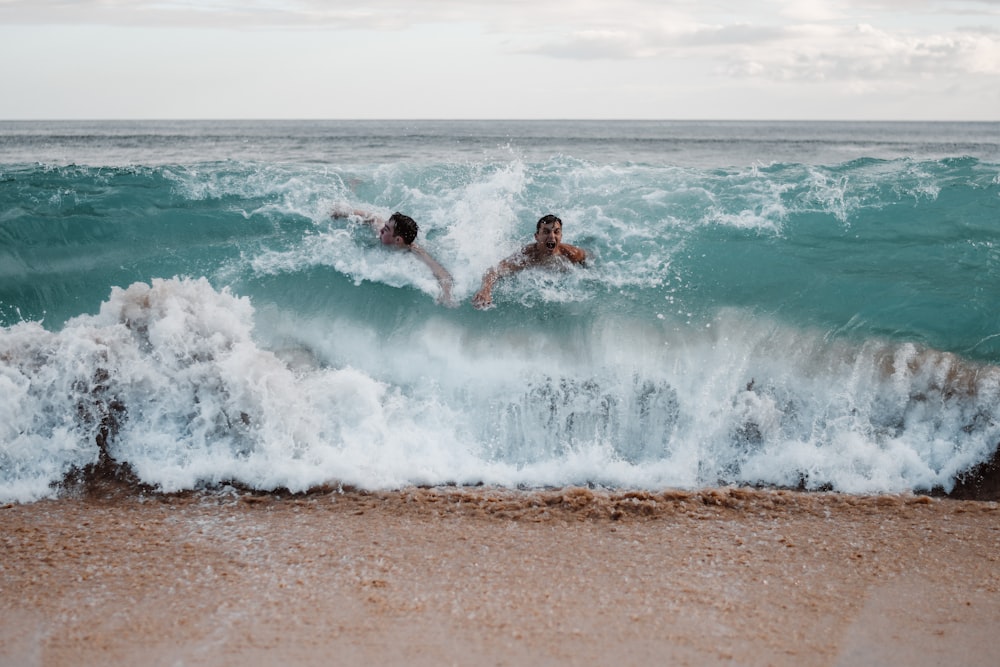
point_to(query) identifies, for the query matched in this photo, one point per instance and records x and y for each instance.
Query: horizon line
(507, 120)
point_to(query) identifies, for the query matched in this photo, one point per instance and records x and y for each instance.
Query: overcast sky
(661, 59)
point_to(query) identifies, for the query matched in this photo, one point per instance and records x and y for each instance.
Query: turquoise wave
(791, 324)
(898, 249)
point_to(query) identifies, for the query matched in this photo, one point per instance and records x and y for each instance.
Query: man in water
(400, 231)
(547, 250)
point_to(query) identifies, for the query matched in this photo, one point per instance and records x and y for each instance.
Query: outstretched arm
(443, 277)
(370, 219)
(513, 264)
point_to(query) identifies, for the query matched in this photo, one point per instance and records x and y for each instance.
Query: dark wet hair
(547, 220)
(404, 226)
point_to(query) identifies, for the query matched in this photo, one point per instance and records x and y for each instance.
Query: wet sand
(497, 577)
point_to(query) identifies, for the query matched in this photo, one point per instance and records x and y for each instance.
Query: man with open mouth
(548, 248)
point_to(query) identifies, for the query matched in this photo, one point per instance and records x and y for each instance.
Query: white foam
(620, 402)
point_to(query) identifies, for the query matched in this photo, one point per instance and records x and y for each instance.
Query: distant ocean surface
(812, 305)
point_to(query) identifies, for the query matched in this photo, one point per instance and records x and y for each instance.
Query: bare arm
(484, 297)
(443, 277)
(370, 219)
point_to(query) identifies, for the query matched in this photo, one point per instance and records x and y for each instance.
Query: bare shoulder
(422, 254)
(521, 258)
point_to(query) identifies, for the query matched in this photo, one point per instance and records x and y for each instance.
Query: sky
(531, 59)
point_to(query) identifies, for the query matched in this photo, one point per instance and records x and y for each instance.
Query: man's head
(548, 233)
(399, 229)
(547, 220)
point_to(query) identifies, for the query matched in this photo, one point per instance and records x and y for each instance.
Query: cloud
(564, 17)
(651, 42)
(234, 14)
(824, 51)
(934, 6)
(594, 44)
(237, 14)
(780, 40)
(872, 54)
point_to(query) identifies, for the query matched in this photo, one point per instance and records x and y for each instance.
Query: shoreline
(453, 575)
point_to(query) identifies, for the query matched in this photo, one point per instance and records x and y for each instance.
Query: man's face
(548, 237)
(388, 233)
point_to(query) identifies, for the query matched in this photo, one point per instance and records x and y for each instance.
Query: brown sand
(493, 577)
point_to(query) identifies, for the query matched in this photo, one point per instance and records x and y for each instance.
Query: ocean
(810, 305)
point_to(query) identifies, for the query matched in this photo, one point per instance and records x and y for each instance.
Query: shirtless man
(400, 231)
(548, 249)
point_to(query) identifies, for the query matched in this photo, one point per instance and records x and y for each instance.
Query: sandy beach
(449, 576)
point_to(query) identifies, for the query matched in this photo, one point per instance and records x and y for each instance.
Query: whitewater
(804, 305)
